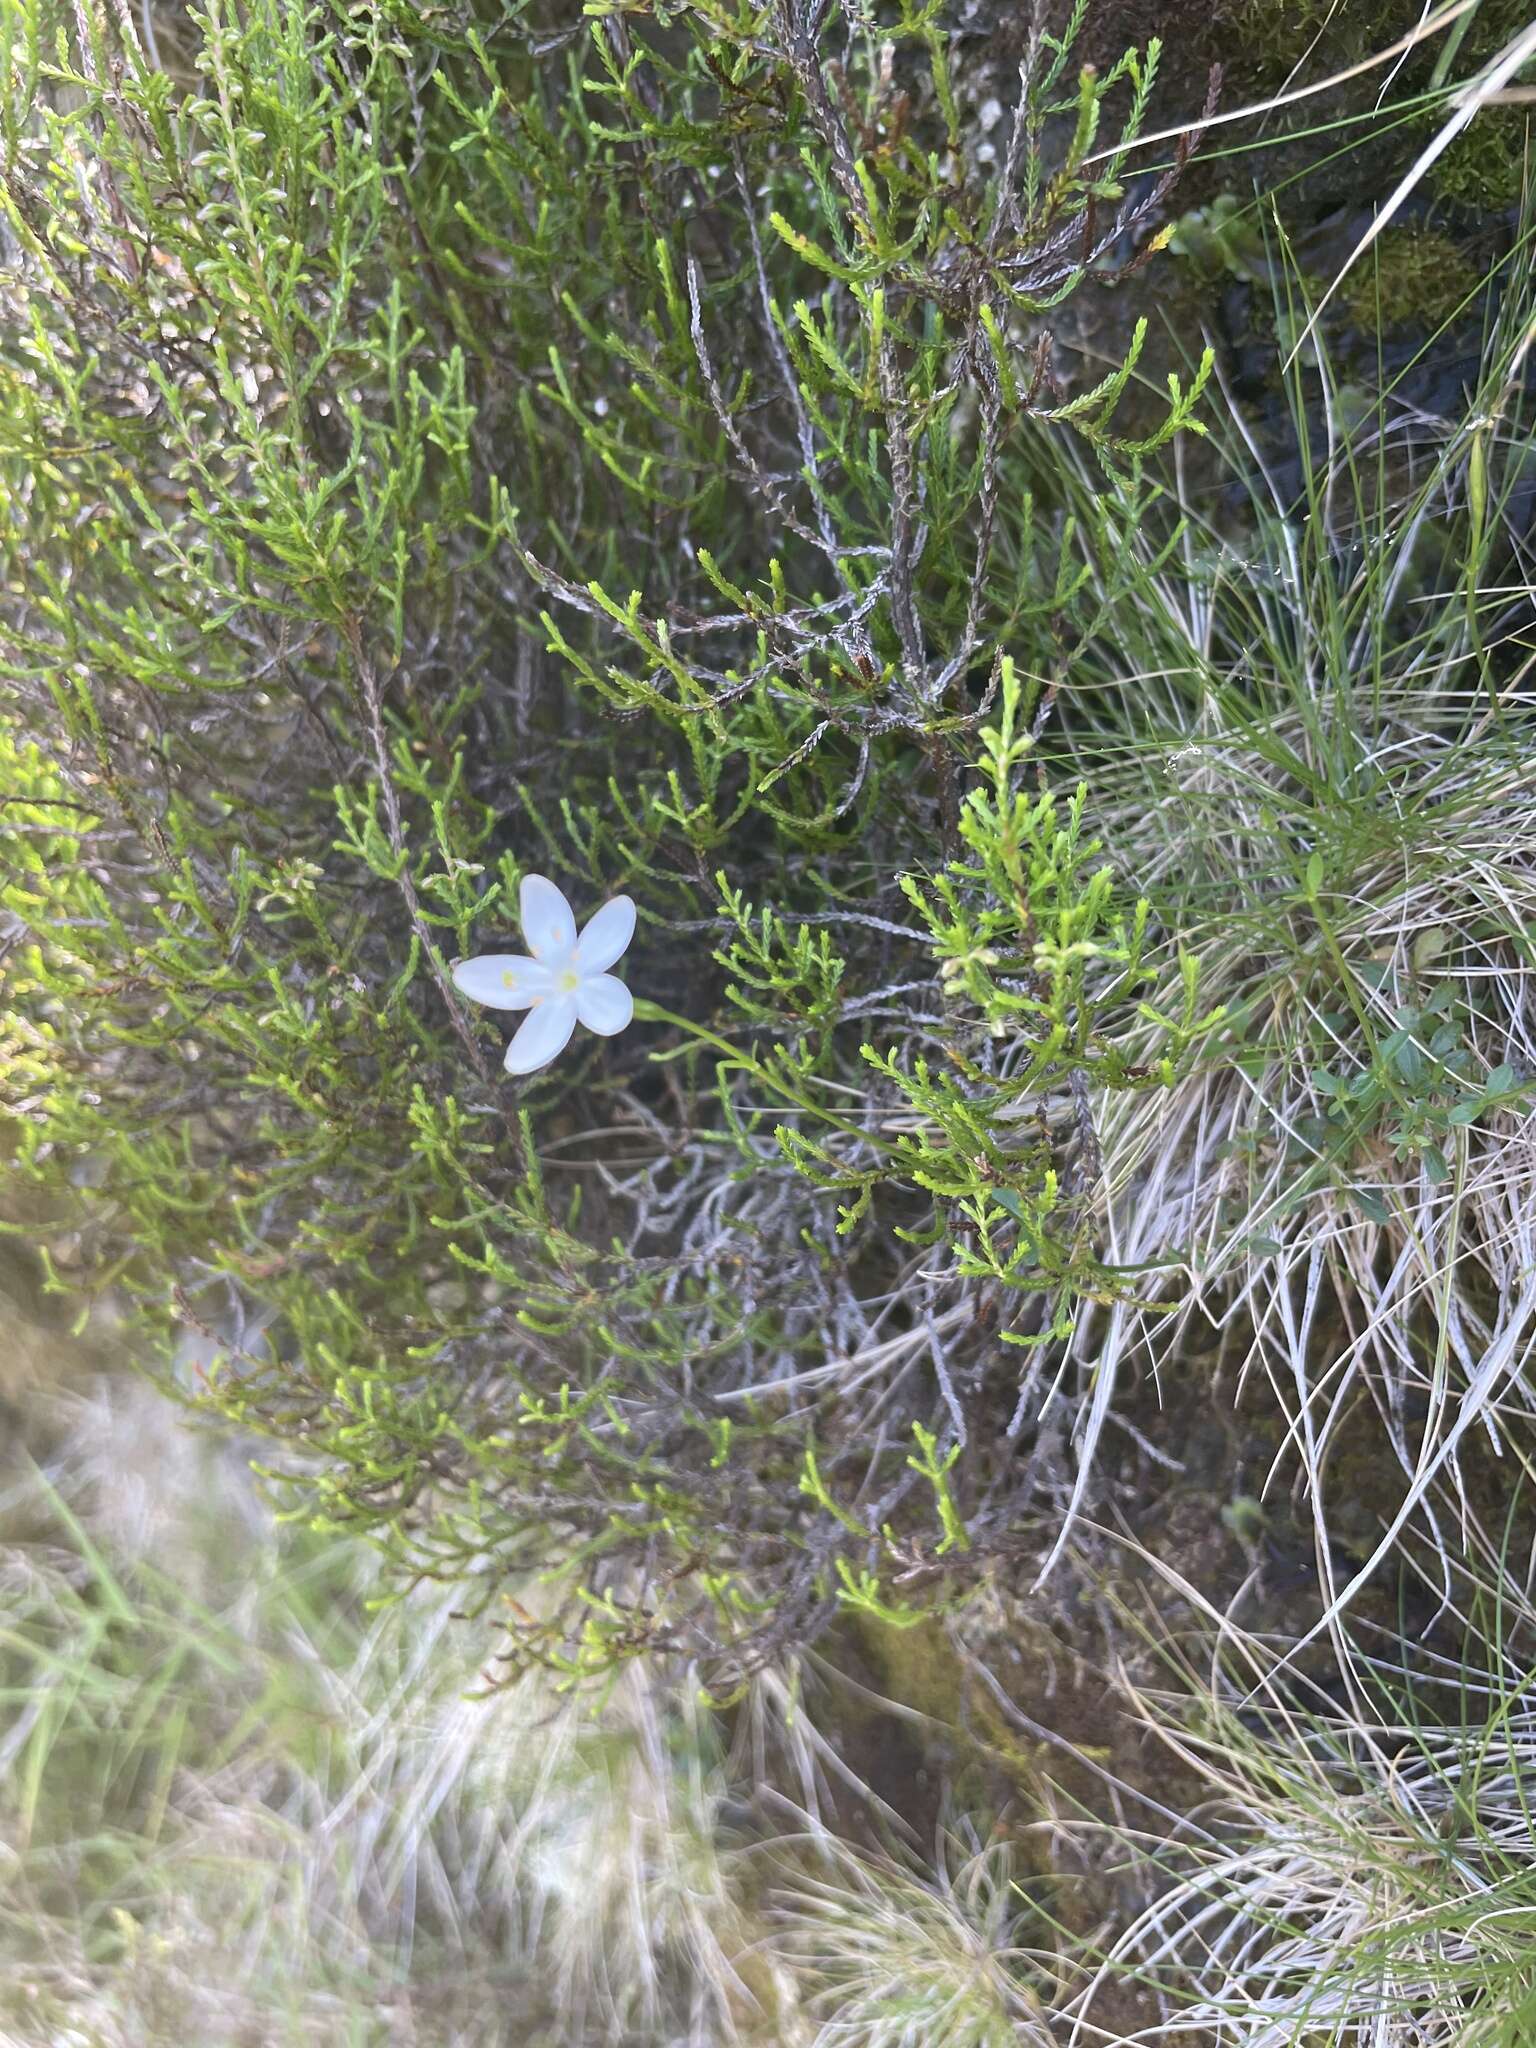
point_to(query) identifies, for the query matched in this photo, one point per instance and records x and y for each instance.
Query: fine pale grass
(238, 1804)
(1363, 1873)
(890, 1957)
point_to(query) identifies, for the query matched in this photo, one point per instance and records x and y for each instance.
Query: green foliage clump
(434, 449)
(1412, 277)
(1486, 167)
(1225, 237)
(1284, 43)
(1487, 164)
(1418, 1089)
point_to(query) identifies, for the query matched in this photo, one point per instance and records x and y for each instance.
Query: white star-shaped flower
(563, 981)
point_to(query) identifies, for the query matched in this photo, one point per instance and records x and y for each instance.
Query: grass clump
(1360, 1870)
(1308, 744)
(886, 1954)
(242, 1801)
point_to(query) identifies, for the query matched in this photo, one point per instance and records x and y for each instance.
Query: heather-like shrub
(442, 446)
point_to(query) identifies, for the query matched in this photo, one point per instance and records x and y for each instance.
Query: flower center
(568, 981)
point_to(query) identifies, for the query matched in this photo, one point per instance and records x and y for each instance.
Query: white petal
(502, 981)
(548, 925)
(608, 932)
(604, 1004)
(543, 1034)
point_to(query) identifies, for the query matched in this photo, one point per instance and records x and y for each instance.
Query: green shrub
(438, 448)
